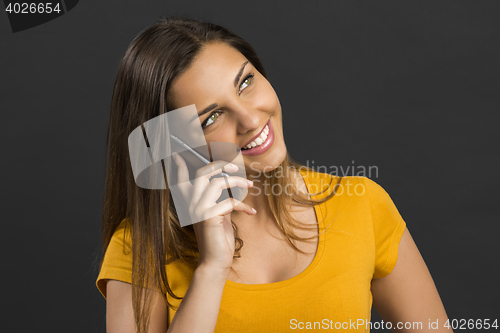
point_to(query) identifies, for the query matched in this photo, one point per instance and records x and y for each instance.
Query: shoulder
(359, 187)
(359, 197)
(319, 184)
(120, 242)
(117, 261)
(363, 192)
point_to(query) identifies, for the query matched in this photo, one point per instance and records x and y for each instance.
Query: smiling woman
(305, 254)
(246, 103)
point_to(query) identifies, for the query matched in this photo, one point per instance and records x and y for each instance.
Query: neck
(257, 198)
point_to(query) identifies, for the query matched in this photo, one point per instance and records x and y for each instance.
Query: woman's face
(235, 103)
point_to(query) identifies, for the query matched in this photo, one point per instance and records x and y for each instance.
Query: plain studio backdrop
(410, 87)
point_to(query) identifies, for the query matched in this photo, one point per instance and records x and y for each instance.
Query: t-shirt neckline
(309, 269)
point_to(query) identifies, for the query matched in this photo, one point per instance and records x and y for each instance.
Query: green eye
(211, 119)
(246, 82)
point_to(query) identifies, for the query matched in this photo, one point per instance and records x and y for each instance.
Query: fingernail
(253, 210)
(232, 165)
(250, 182)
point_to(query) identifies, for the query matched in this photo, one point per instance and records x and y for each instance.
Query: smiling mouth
(259, 140)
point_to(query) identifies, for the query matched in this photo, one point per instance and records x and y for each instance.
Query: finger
(217, 185)
(243, 207)
(230, 167)
(203, 175)
(226, 206)
(183, 182)
(182, 169)
(212, 169)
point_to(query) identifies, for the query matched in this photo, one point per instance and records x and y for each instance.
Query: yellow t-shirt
(333, 292)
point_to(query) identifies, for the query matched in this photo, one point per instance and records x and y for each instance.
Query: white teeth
(260, 140)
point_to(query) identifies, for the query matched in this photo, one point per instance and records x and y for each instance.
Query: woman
(309, 255)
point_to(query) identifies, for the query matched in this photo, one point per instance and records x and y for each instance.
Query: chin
(273, 160)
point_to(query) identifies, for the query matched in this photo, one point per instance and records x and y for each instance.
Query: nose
(247, 118)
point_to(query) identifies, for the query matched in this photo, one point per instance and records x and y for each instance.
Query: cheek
(219, 135)
(267, 100)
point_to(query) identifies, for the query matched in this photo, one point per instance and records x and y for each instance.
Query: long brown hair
(157, 56)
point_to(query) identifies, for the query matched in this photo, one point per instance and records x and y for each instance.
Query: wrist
(215, 275)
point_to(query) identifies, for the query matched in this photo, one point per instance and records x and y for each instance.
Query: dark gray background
(411, 87)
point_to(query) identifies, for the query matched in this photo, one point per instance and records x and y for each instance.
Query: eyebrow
(213, 106)
(237, 78)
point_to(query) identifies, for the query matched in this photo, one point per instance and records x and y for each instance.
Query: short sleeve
(388, 228)
(117, 263)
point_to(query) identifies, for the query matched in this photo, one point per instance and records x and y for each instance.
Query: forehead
(210, 76)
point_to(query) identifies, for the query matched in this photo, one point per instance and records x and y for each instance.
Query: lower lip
(264, 146)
